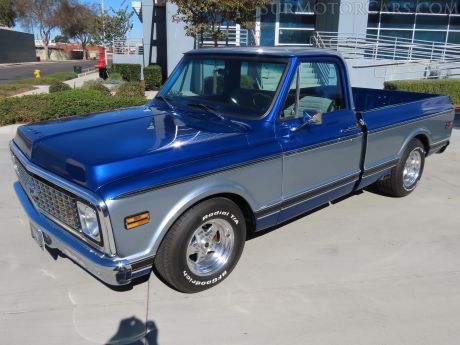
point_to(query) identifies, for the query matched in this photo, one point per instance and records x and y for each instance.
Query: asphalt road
(369, 270)
(24, 71)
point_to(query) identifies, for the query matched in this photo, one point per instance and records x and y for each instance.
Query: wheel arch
(422, 134)
(238, 195)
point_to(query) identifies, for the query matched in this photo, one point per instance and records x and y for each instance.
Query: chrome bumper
(111, 270)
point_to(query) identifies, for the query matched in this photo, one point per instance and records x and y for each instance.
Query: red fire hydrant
(102, 66)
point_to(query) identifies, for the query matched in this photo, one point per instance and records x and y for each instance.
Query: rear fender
(420, 131)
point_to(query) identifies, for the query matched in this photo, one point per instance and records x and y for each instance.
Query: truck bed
(370, 99)
(393, 117)
(383, 108)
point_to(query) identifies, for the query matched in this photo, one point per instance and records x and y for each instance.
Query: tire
(403, 181)
(203, 246)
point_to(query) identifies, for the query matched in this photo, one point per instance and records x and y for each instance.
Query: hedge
(42, 107)
(450, 87)
(129, 72)
(96, 85)
(58, 86)
(153, 77)
(131, 89)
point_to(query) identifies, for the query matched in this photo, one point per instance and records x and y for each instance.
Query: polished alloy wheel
(210, 247)
(412, 169)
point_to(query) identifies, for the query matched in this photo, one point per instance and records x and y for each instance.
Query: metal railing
(128, 47)
(234, 36)
(421, 70)
(369, 46)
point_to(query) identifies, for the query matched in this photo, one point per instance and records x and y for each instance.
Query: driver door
(321, 161)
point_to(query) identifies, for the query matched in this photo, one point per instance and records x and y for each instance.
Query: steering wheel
(260, 99)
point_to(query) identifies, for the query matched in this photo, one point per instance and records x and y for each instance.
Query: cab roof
(280, 52)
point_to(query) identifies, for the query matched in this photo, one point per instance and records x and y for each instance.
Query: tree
(210, 16)
(61, 39)
(7, 13)
(112, 26)
(41, 14)
(77, 21)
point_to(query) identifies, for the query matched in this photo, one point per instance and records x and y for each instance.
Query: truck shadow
(132, 331)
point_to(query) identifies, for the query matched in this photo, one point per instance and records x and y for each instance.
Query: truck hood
(97, 149)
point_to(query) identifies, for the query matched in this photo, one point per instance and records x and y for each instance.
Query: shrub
(36, 108)
(152, 77)
(58, 86)
(130, 89)
(115, 76)
(450, 87)
(128, 72)
(96, 85)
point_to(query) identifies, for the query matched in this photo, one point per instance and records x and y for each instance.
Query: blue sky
(136, 32)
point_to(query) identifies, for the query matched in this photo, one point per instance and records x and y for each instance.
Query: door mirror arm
(309, 120)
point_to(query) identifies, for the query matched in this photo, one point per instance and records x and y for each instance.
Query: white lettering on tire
(207, 282)
(221, 213)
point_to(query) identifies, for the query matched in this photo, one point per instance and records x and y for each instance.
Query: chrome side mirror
(309, 120)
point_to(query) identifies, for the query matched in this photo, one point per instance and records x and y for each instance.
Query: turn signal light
(137, 220)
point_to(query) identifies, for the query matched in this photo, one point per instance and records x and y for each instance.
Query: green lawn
(19, 86)
(8, 90)
(47, 78)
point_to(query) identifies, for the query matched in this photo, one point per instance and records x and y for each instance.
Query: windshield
(229, 86)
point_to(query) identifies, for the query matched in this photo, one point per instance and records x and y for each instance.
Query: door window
(316, 88)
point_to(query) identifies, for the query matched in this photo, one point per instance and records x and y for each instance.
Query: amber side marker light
(137, 220)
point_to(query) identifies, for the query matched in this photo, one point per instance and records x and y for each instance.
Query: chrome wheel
(412, 168)
(210, 247)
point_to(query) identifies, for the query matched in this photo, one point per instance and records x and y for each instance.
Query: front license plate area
(37, 235)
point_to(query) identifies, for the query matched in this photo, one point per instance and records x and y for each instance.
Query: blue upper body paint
(116, 152)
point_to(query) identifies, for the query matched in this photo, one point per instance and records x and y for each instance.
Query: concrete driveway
(368, 270)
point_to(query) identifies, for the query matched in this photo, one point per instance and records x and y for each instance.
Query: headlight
(88, 220)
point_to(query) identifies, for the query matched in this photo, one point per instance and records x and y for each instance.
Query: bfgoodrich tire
(203, 246)
(405, 177)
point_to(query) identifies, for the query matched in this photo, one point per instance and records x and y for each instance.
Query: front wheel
(203, 246)
(406, 175)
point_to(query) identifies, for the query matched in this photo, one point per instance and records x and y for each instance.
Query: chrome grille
(48, 199)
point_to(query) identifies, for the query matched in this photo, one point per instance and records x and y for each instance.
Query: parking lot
(368, 270)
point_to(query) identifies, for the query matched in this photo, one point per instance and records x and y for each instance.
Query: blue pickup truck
(238, 140)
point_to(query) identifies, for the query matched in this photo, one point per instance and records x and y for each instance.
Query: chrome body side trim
(300, 198)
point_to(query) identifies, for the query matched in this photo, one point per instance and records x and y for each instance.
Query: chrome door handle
(349, 129)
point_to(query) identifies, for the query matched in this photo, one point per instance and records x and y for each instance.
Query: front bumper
(111, 270)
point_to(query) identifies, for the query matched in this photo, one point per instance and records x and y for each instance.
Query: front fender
(165, 206)
(194, 196)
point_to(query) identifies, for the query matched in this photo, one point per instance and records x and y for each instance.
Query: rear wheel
(406, 175)
(203, 246)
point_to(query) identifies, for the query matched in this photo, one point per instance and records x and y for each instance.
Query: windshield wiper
(207, 108)
(164, 99)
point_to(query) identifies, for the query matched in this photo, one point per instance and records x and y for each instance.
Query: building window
(287, 22)
(454, 37)
(415, 20)
(294, 36)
